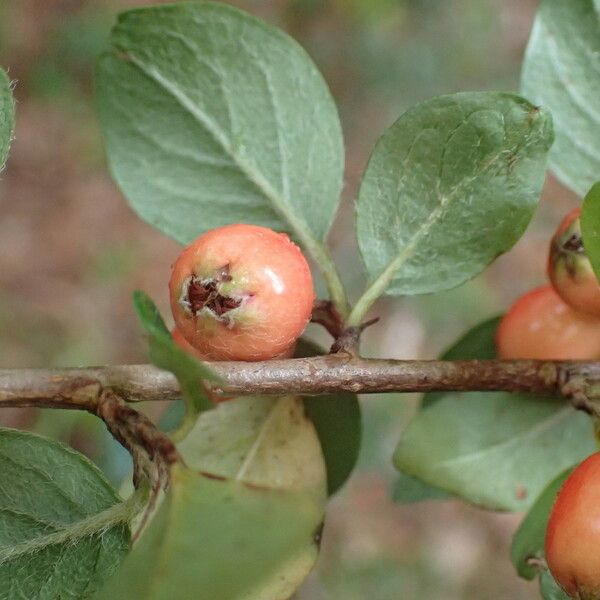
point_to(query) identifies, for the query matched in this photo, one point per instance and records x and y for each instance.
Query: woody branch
(81, 387)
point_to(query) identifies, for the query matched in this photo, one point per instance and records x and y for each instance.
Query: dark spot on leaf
(212, 476)
(255, 486)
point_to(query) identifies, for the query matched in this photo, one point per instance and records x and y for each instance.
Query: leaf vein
(535, 431)
(251, 174)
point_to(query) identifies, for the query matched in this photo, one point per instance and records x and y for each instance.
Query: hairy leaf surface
(450, 186)
(7, 117)
(561, 72)
(63, 529)
(477, 343)
(211, 116)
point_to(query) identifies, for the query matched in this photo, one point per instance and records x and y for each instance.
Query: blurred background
(72, 252)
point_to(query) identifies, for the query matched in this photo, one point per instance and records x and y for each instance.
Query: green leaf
(560, 71)
(225, 539)
(477, 343)
(211, 116)
(337, 419)
(528, 541)
(590, 227)
(266, 442)
(164, 353)
(549, 589)
(408, 490)
(450, 186)
(494, 449)
(261, 440)
(63, 529)
(7, 117)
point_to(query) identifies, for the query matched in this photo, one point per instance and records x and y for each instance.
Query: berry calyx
(241, 292)
(539, 325)
(569, 268)
(573, 533)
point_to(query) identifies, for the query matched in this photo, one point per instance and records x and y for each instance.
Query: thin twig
(324, 313)
(347, 341)
(153, 453)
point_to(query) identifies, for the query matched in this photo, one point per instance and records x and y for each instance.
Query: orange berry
(569, 268)
(573, 533)
(539, 325)
(241, 292)
(184, 344)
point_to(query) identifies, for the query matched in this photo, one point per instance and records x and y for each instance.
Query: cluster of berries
(241, 292)
(560, 321)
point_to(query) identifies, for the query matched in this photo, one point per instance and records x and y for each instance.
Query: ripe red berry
(539, 325)
(573, 533)
(569, 268)
(184, 344)
(241, 292)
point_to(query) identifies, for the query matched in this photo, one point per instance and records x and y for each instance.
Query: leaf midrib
(253, 450)
(253, 176)
(538, 429)
(407, 252)
(115, 515)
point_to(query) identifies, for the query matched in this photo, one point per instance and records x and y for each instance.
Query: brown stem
(349, 338)
(346, 339)
(325, 314)
(95, 391)
(153, 453)
(81, 388)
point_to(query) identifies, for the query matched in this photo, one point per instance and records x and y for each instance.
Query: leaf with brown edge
(223, 538)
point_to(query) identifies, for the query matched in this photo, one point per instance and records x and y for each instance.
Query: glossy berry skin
(184, 344)
(539, 325)
(241, 292)
(573, 533)
(569, 268)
